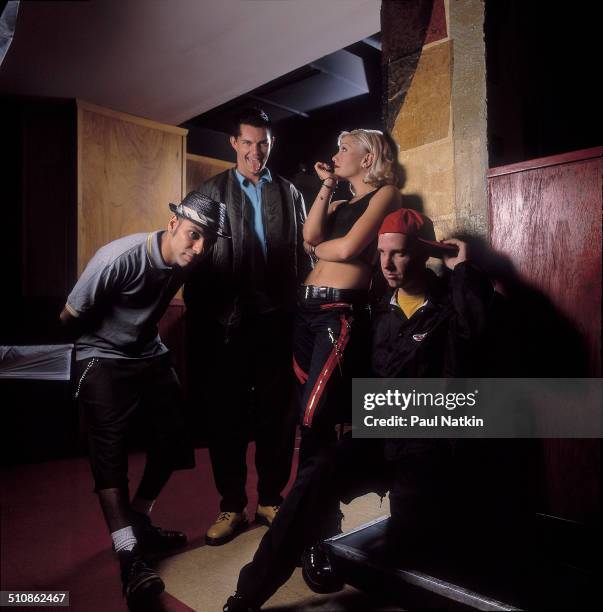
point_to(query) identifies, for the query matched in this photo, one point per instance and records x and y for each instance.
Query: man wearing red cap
(424, 327)
(427, 326)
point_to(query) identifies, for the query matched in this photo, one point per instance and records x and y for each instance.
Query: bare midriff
(348, 275)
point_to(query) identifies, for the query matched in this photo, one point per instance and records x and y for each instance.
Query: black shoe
(140, 582)
(317, 571)
(238, 603)
(152, 539)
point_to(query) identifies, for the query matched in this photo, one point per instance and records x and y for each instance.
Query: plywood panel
(200, 168)
(129, 170)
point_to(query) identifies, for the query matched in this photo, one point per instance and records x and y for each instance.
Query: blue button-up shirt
(254, 193)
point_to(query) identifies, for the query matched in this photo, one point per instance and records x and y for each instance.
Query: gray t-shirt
(121, 295)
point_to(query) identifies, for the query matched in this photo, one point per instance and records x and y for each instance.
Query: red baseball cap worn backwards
(412, 223)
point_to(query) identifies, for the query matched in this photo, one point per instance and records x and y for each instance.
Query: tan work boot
(265, 514)
(226, 527)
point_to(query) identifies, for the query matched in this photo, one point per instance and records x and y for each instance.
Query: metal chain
(79, 384)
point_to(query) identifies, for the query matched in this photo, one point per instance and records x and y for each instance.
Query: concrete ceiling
(170, 60)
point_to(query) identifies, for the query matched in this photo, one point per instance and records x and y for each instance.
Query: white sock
(123, 539)
(142, 506)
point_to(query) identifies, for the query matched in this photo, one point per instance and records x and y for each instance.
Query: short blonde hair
(383, 170)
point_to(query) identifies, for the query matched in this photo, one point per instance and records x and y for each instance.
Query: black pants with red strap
(348, 469)
(327, 348)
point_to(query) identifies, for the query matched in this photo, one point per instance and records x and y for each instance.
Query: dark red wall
(545, 214)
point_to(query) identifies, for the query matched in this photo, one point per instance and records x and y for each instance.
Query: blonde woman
(341, 238)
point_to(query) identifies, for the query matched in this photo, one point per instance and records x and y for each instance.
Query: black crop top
(342, 219)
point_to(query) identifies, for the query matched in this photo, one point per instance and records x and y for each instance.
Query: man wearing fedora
(240, 303)
(125, 379)
(424, 327)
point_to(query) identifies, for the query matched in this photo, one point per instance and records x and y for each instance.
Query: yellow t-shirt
(409, 303)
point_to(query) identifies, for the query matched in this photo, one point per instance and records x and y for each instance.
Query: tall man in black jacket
(423, 327)
(239, 308)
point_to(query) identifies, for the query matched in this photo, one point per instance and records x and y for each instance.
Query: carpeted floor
(53, 537)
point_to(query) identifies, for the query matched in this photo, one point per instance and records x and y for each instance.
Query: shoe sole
(225, 539)
(151, 588)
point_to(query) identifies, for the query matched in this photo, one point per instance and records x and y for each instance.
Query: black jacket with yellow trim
(443, 338)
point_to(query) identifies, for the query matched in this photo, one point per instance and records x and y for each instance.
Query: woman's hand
(311, 251)
(314, 231)
(324, 172)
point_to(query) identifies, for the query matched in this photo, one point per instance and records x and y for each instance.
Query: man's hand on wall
(461, 256)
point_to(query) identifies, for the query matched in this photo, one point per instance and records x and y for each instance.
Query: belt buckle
(322, 292)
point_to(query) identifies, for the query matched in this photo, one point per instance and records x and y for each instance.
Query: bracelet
(330, 179)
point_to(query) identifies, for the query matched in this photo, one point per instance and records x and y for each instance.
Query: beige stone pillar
(435, 107)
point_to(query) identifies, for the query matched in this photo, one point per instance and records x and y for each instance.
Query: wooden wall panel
(200, 168)
(129, 169)
(548, 220)
(546, 216)
(572, 479)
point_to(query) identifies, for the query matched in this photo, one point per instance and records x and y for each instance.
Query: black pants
(353, 467)
(327, 349)
(251, 397)
(120, 396)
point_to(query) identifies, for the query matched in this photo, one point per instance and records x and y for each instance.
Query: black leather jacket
(216, 284)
